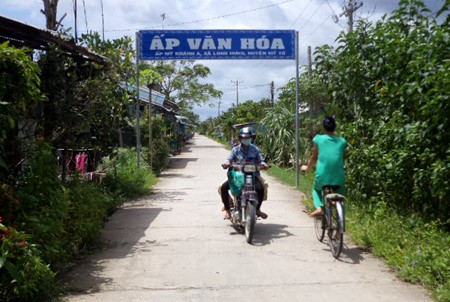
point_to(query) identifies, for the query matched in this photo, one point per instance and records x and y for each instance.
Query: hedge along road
(175, 246)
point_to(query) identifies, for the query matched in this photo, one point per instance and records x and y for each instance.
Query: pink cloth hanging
(77, 161)
(80, 162)
(83, 162)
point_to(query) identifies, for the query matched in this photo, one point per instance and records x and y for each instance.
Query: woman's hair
(329, 123)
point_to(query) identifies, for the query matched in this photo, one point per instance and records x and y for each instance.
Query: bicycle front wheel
(319, 226)
(336, 231)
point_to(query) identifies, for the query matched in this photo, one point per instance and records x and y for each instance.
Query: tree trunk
(50, 8)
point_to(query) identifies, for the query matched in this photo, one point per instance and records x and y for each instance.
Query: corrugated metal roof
(23, 35)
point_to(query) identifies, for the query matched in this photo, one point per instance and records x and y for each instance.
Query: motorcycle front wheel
(250, 221)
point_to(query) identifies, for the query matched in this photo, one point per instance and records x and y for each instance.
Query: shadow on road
(352, 255)
(119, 239)
(348, 255)
(266, 233)
(176, 175)
(179, 163)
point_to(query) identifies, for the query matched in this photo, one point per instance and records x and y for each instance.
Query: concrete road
(175, 246)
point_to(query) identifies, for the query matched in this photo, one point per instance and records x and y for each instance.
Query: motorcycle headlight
(249, 168)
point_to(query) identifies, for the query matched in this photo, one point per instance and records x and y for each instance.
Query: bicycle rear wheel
(319, 226)
(336, 231)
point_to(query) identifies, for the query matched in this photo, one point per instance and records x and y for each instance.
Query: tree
(19, 94)
(86, 107)
(184, 79)
(391, 82)
(50, 12)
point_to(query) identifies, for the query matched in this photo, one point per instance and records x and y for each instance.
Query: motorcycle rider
(245, 151)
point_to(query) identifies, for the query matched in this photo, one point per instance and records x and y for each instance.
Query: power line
(212, 18)
(301, 13)
(312, 15)
(316, 28)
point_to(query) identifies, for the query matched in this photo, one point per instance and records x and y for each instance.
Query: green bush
(23, 274)
(160, 150)
(390, 81)
(416, 250)
(43, 207)
(56, 219)
(124, 179)
(88, 209)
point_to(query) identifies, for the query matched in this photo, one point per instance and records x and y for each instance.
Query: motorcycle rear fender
(250, 196)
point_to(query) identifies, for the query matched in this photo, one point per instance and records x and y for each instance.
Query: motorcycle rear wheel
(250, 222)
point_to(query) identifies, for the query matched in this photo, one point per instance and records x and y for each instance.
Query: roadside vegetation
(51, 104)
(387, 82)
(388, 85)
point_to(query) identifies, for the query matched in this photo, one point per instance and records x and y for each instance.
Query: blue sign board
(217, 44)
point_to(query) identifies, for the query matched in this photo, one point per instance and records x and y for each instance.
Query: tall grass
(289, 177)
(417, 251)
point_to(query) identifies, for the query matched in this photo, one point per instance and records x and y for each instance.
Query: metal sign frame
(219, 45)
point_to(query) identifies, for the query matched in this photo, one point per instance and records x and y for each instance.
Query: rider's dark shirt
(242, 154)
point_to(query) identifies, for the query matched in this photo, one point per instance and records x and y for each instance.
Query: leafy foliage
(388, 84)
(159, 149)
(85, 108)
(23, 274)
(45, 222)
(19, 90)
(184, 79)
(414, 248)
(126, 181)
(391, 82)
(57, 102)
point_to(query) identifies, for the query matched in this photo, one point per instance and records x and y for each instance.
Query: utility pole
(163, 17)
(75, 7)
(311, 105)
(150, 127)
(103, 22)
(272, 92)
(348, 12)
(218, 111)
(237, 90)
(309, 61)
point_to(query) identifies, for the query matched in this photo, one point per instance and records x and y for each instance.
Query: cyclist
(328, 153)
(245, 151)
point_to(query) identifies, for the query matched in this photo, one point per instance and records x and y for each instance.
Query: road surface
(175, 246)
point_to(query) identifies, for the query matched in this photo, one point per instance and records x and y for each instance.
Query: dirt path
(174, 246)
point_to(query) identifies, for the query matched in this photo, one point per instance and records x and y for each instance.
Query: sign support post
(138, 109)
(297, 115)
(219, 45)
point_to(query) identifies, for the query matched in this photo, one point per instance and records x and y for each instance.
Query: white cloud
(311, 18)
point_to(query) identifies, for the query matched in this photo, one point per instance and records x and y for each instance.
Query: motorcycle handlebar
(239, 167)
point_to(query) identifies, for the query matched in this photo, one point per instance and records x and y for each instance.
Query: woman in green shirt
(328, 153)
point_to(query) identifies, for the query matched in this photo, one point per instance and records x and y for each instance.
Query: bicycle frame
(332, 220)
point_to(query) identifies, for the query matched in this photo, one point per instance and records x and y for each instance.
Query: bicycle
(332, 219)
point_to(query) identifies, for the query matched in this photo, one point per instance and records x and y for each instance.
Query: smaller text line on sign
(217, 44)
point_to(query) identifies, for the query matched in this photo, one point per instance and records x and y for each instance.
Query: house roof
(158, 99)
(23, 35)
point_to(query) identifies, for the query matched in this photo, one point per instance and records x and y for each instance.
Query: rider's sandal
(261, 214)
(227, 214)
(316, 213)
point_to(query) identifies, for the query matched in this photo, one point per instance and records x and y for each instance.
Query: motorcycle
(245, 198)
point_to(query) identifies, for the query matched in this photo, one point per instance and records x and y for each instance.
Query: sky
(239, 80)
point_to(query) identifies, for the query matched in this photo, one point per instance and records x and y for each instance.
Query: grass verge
(289, 177)
(416, 250)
